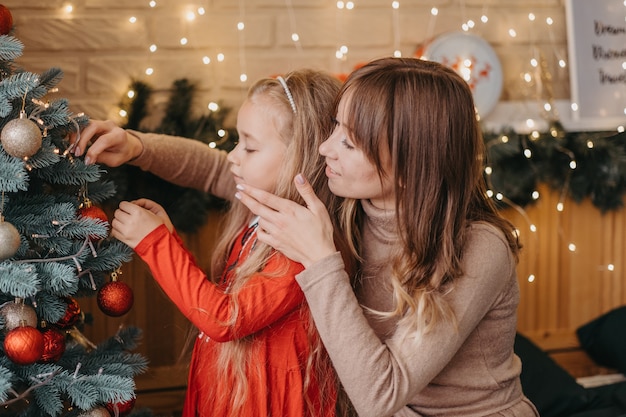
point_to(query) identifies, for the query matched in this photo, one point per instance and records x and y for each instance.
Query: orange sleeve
(262, 301)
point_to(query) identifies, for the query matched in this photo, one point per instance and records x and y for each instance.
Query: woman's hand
(110, 144)
(303, 234)
(133, 221)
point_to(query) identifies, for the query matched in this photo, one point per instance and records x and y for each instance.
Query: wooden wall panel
(572, 285)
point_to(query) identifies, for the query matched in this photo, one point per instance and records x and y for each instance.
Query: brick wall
(100, 51)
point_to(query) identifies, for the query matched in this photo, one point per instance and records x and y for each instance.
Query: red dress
(270, 308)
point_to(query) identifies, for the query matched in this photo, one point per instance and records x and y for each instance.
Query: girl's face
(258, 157)
(350, 174)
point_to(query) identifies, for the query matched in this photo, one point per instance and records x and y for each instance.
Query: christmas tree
(55, 248)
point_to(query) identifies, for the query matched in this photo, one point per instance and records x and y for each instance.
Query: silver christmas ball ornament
(18, 314)
(21, 138)
(9, 240)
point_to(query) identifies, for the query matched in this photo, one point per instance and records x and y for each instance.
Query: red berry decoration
(53, 345)
(6, 20)
(115, 298)
(121, 409)
(24, 345)
(88, 210)
(72, 314)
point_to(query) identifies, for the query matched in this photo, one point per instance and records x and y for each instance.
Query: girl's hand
(132, 223)
(110, 144)
(157, 209)
(303, 234)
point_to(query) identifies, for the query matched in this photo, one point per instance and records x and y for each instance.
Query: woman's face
(350, 174)
(258, 157)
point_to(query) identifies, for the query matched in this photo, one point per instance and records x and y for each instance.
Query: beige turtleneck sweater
(466, 371)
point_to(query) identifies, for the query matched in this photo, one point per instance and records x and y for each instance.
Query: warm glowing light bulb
(183, 41)
(240, 26)
(149, 71)
(123, 113)
(531, 17)
(340, 5)
(132, 19)
(243, 78)
(152, 3)
(559, 206)
(206, 60)
(190, 16)
(531, 278)
(153, 48)
(484, 18)
(395, 4)
(535, 195)
(130, 94)
(434, 11)
(220, 57)
(213, 106)
(295, 37)
(512, 33)
(68, 8)
(571, 247)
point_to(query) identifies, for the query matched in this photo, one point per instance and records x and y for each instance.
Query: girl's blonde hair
(313, 93)
(422, 113)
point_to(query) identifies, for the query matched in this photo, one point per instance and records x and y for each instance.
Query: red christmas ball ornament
(72, 314)
(53, 345)
(122, 408)
(24, 345)
(115, 298)
(6, 20)
(88, 210)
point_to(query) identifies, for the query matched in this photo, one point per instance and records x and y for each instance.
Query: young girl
(258, 352)
(427, 325)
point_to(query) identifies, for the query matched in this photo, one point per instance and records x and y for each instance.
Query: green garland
(188, 208)
(584, 164)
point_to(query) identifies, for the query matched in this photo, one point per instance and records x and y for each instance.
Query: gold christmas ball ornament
(9, 240)
(95, 412)
(21, 138)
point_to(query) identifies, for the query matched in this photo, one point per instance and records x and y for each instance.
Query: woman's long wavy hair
(421, 113)
(313, 94)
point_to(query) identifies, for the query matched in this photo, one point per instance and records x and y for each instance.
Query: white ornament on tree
(9, 239)
(21, 137)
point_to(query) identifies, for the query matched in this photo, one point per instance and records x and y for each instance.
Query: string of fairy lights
(537, 76)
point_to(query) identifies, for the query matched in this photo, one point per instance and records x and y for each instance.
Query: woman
(427, 325)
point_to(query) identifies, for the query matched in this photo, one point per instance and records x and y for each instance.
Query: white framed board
(596, 38)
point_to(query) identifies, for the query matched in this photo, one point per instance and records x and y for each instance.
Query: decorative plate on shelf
(474, 59)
